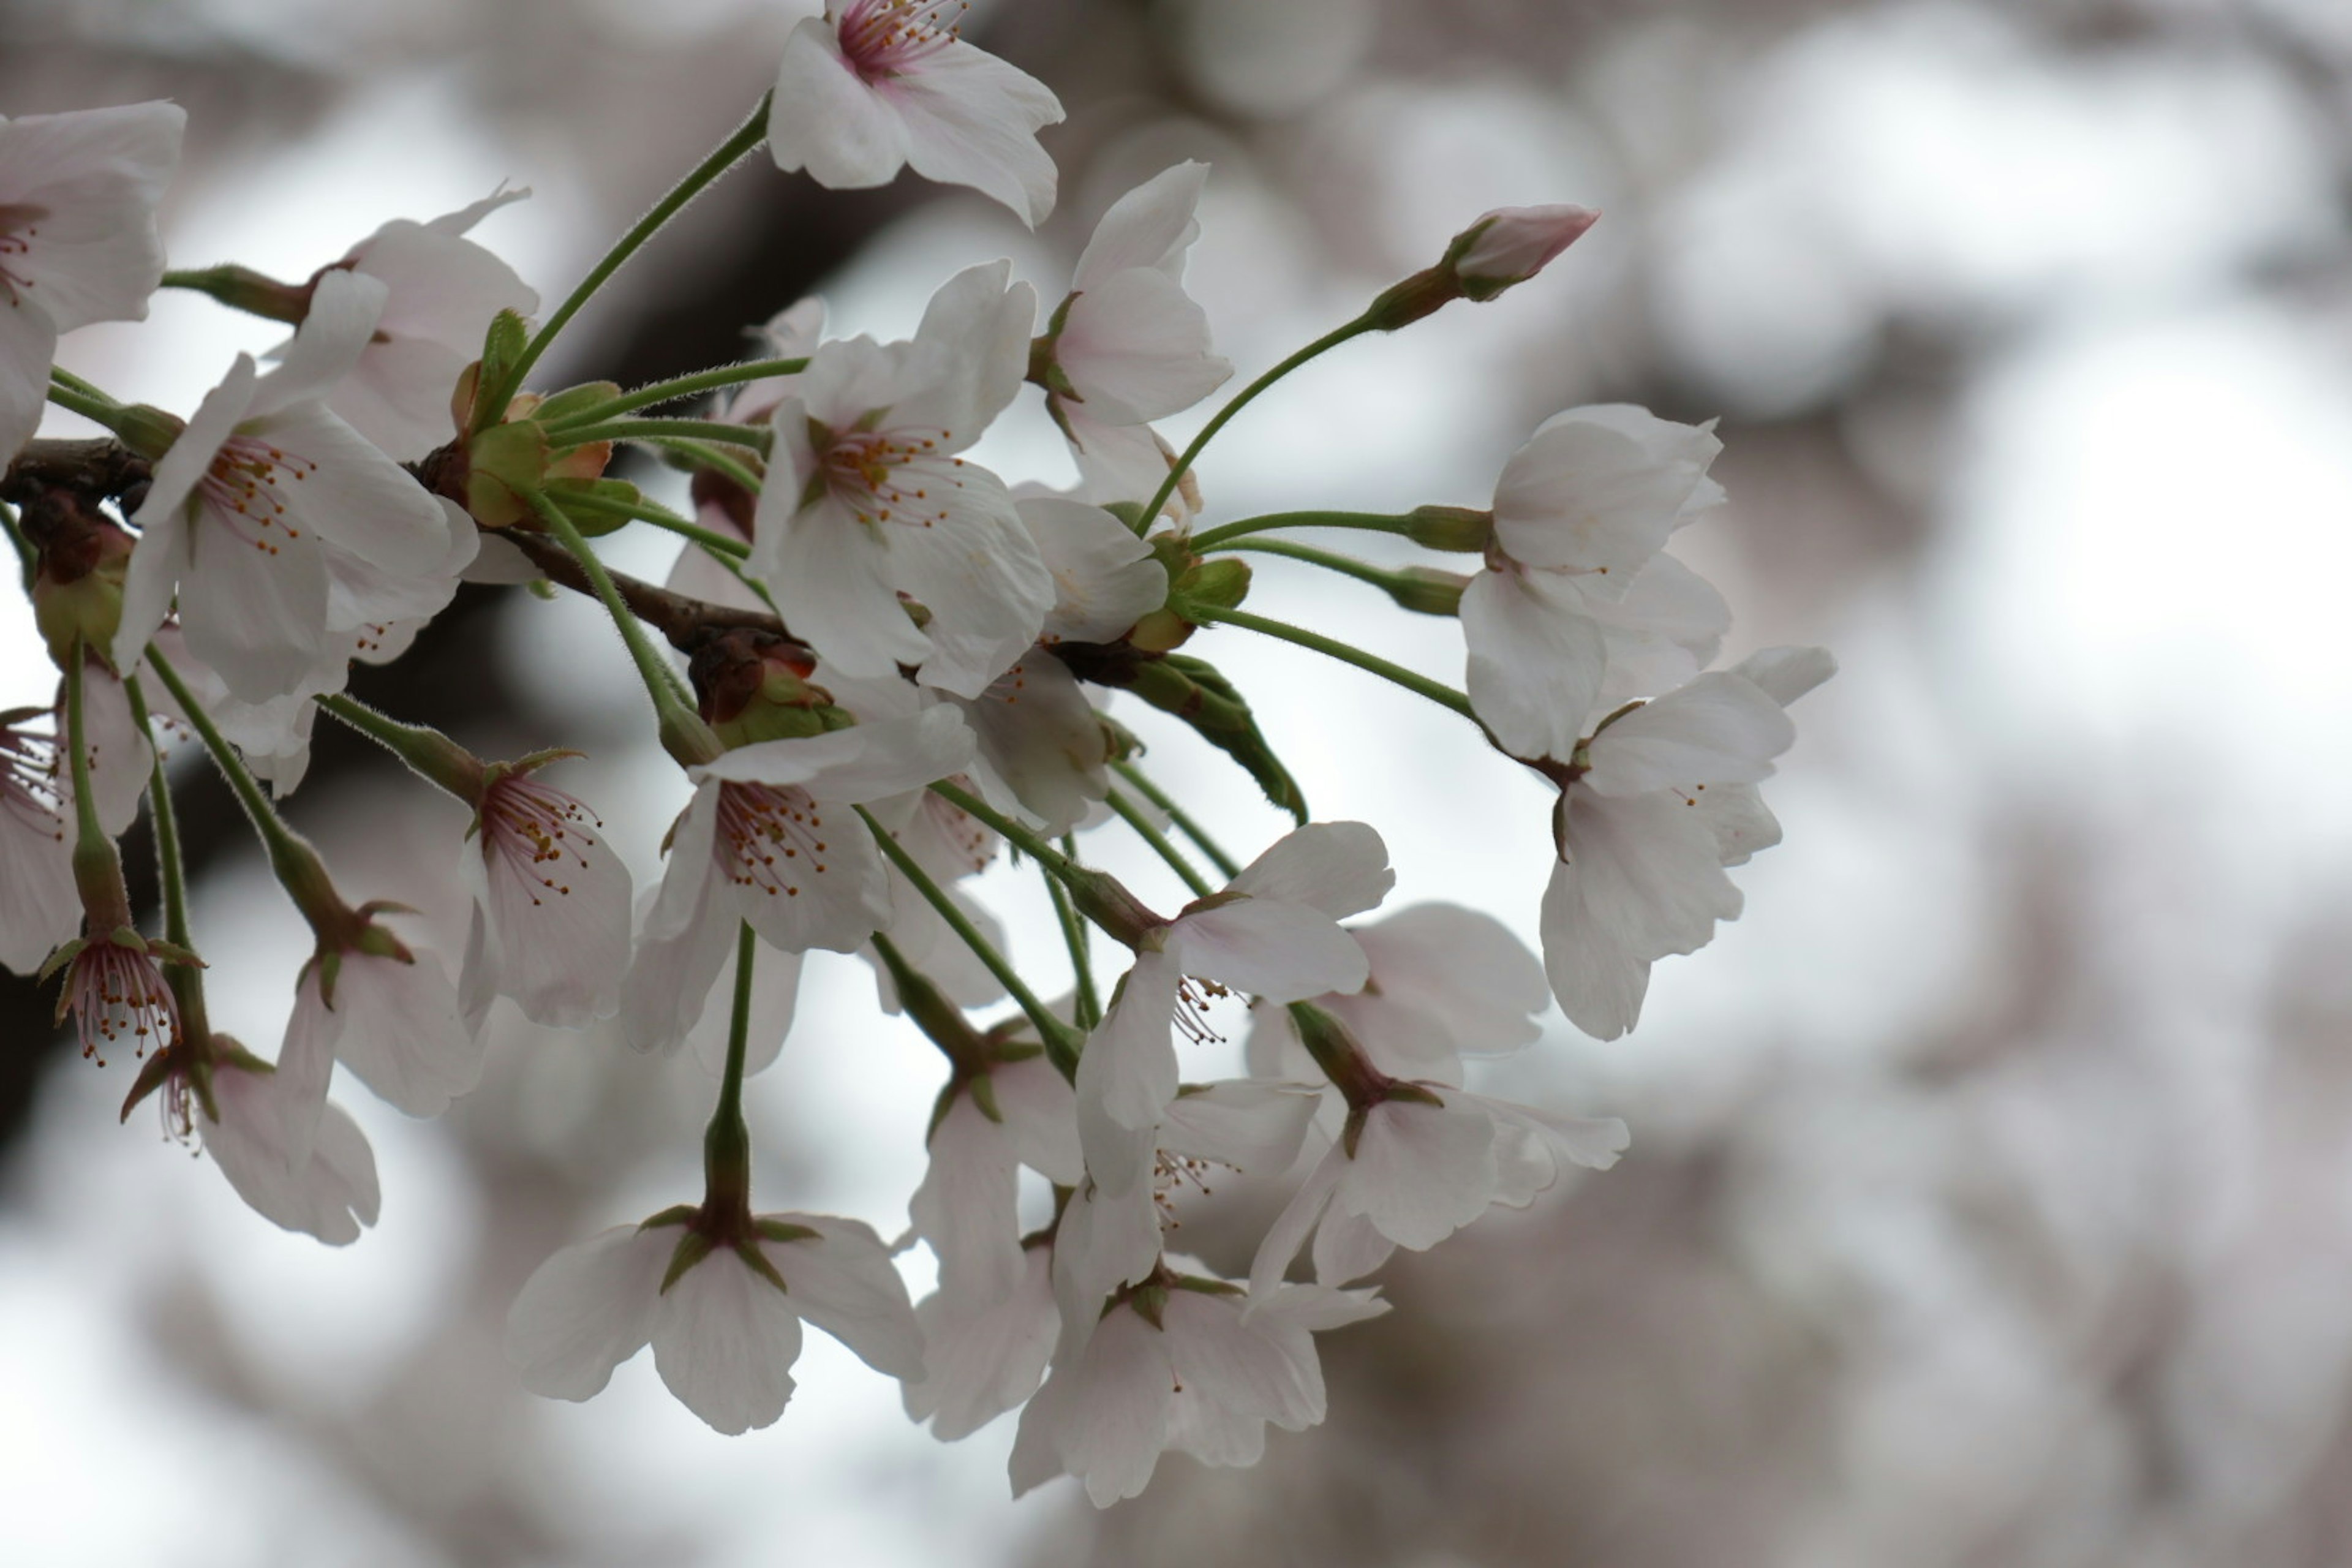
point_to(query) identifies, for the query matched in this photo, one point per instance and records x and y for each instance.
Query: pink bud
(1511, 245)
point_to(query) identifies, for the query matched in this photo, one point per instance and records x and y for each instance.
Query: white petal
(1136, 348)
(1599, 490)
(96, 175)
(724, 1340)
(1421, 1171)
(972, 119)
(775, 996)
(983, 1356)
(1250, 1125)
(1291, 1226)
(561, 924)
(1460, 966)
(968, 355)
(967, 1206)
(357, 499)
(831, 576)
(329, 1192)
(1785, 674)
(826, 120)
(28, 342)
(1536, 660)
(344, 309)
(38, 906)
(1115, 1422)
(1720, 728)
(1349, 1247)
(1643, 881)
(120, 757)
(1338, 868)
(588, 1309)
(845, 1283)
(399, 1026)
(1281, 951)
(1104, 578)
(1128, 1067)
(977, 571)
(254, 609)
(1041, 737)
(1152, 225)
(1041, 1116)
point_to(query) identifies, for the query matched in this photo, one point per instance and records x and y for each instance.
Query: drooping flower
(118, 995)
(253, 1123)
(866, 499)
(721, 505)
(1186, 1363)
(770, 838)
(1653, 809)
(77, 241)
(725, 1327)
(983, 1354)
(1273, 931)
(1009, 1112)
(260, 493)
(873, 85)
(1579, 512)
(38, 906)
(1129, 345)
(551, 920)
(388, 1011)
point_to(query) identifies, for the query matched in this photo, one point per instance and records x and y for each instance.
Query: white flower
(261, 489)
(1273, 931)
(775, 998)
(40, 909)
(266, 1117)
(1446, 982)
(1104, 578)
(1130, 345)
(1418, 1166)
(984, 1354)
(1007, 1115)
(443, 290)
(770, 838)
(725, 1333)
(118, 996)
(1180, 1365)
(1662, 801)
(881, 84)
(1579, 511)
(551, 920)
(721, 505)
(394, 1019)
(77, 241)
(866, 500)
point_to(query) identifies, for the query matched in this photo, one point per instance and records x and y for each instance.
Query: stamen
(881, 39)
(770, 838)
(240, 491)
(538, 834)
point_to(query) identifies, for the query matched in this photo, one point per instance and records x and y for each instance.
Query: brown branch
(687, 623)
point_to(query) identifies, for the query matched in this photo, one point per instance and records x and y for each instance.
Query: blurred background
(1990, 1197)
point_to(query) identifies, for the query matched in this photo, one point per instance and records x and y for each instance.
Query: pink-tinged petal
(1512, 244)
(1040, 1112)
(357, 499)
(832, 579)
(120, 756)
(1348, 1247)
(1232, 1378)
(1105, 1240)
(1129, 1067)
(588, 1309)
(682, 901)
(157, 564)
(1531, 1146)
(344, 310)
(972, 119)
(775, 996)
(330, 1193)
(828, 122)
(306, 1067)
(557, 900)
(1295, 1223)
(967, 1206)
(844, 1282)
(94, 176)
(397, 396)
(1643, 880)
(1785, 674)
(443, 289)
(1281, 952)
(1251, 1127)
(974, 567)
(724, 1341)
(399, 1026)
(28, 342)
(254, 609)
(1042, 740)
(1104, 578)
(1152, 225)
(1599, 490)
(835, 896)
(670, 987)
(1338, 868)
(1536, 660)
(1136, 348)
(984, 1355)
(463, 220)
(1465, 967)
(1721, 728)
(1421, 1171)
(869, 762)
(1121, 1397)
(971, 353)
(38, 906)
(184, 465)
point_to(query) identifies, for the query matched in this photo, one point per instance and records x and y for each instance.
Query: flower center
(19, 226)
(881, 39)
(770, 838)
(1193, 998)
(889, 476)
(118, 995)
(538, 834)
(241, 490)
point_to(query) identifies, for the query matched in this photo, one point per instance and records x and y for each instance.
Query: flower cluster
(885, 665)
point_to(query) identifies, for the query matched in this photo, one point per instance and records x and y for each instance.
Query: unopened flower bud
(754, 686)
(1512, 245)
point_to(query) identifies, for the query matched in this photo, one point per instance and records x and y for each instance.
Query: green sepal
(676, 1214)
(1460, 529)
(785, 1230)
(1220, 582)
(1426, 590)
(173, 953)
(59, 960)
(1011, 1051)
(1151, 1303)
(1200, 1286)
(595, 523)
(151, 1074)
(1129, 513)
(1196, 691)
(940, 1108)
(502, 350)
(692, 1249)
(983, 1095)
(573, 400)
(505, 463)
(757, 1261)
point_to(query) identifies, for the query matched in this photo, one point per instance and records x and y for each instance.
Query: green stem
(680, 386)
(1346, 565)
(1098, 895)
(1224, 862)
(99, 409)
(661, 681)
(747, 135)
(88, 831)
(187, 981)
(715, 459)
(1241, 400)
(1346, 653)
(431, 754)
(1151, 834)
(718, 431)
(660, 517)
(1061, 1041)
(727, 1145)
(1364, 521)
(73, 383)
(1074, 936)
(28, 559)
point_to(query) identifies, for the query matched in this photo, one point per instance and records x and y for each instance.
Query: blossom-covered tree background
(1984, 1202)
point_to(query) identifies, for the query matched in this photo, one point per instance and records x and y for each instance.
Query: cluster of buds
(883, 664)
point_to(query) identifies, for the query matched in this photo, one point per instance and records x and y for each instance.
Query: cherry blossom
(38, 905)
(983, 1353)
(866, 499)
(551, 919)
(873, 85)
(389, 1011)
(1001, 1115)
(77, 241)
(258, 494)
(1579, 512)
(1511, 245)
(253, 1125)
(118, 995)
(1129, 345)
(726, 1328)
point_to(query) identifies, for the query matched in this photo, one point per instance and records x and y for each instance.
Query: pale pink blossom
(392, 1017)
(77, 241)
(983, 1353)
(550, 919)
(1511, 245)
(265, 1118)
(40, 909)
(119, 997)
(873, 85)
